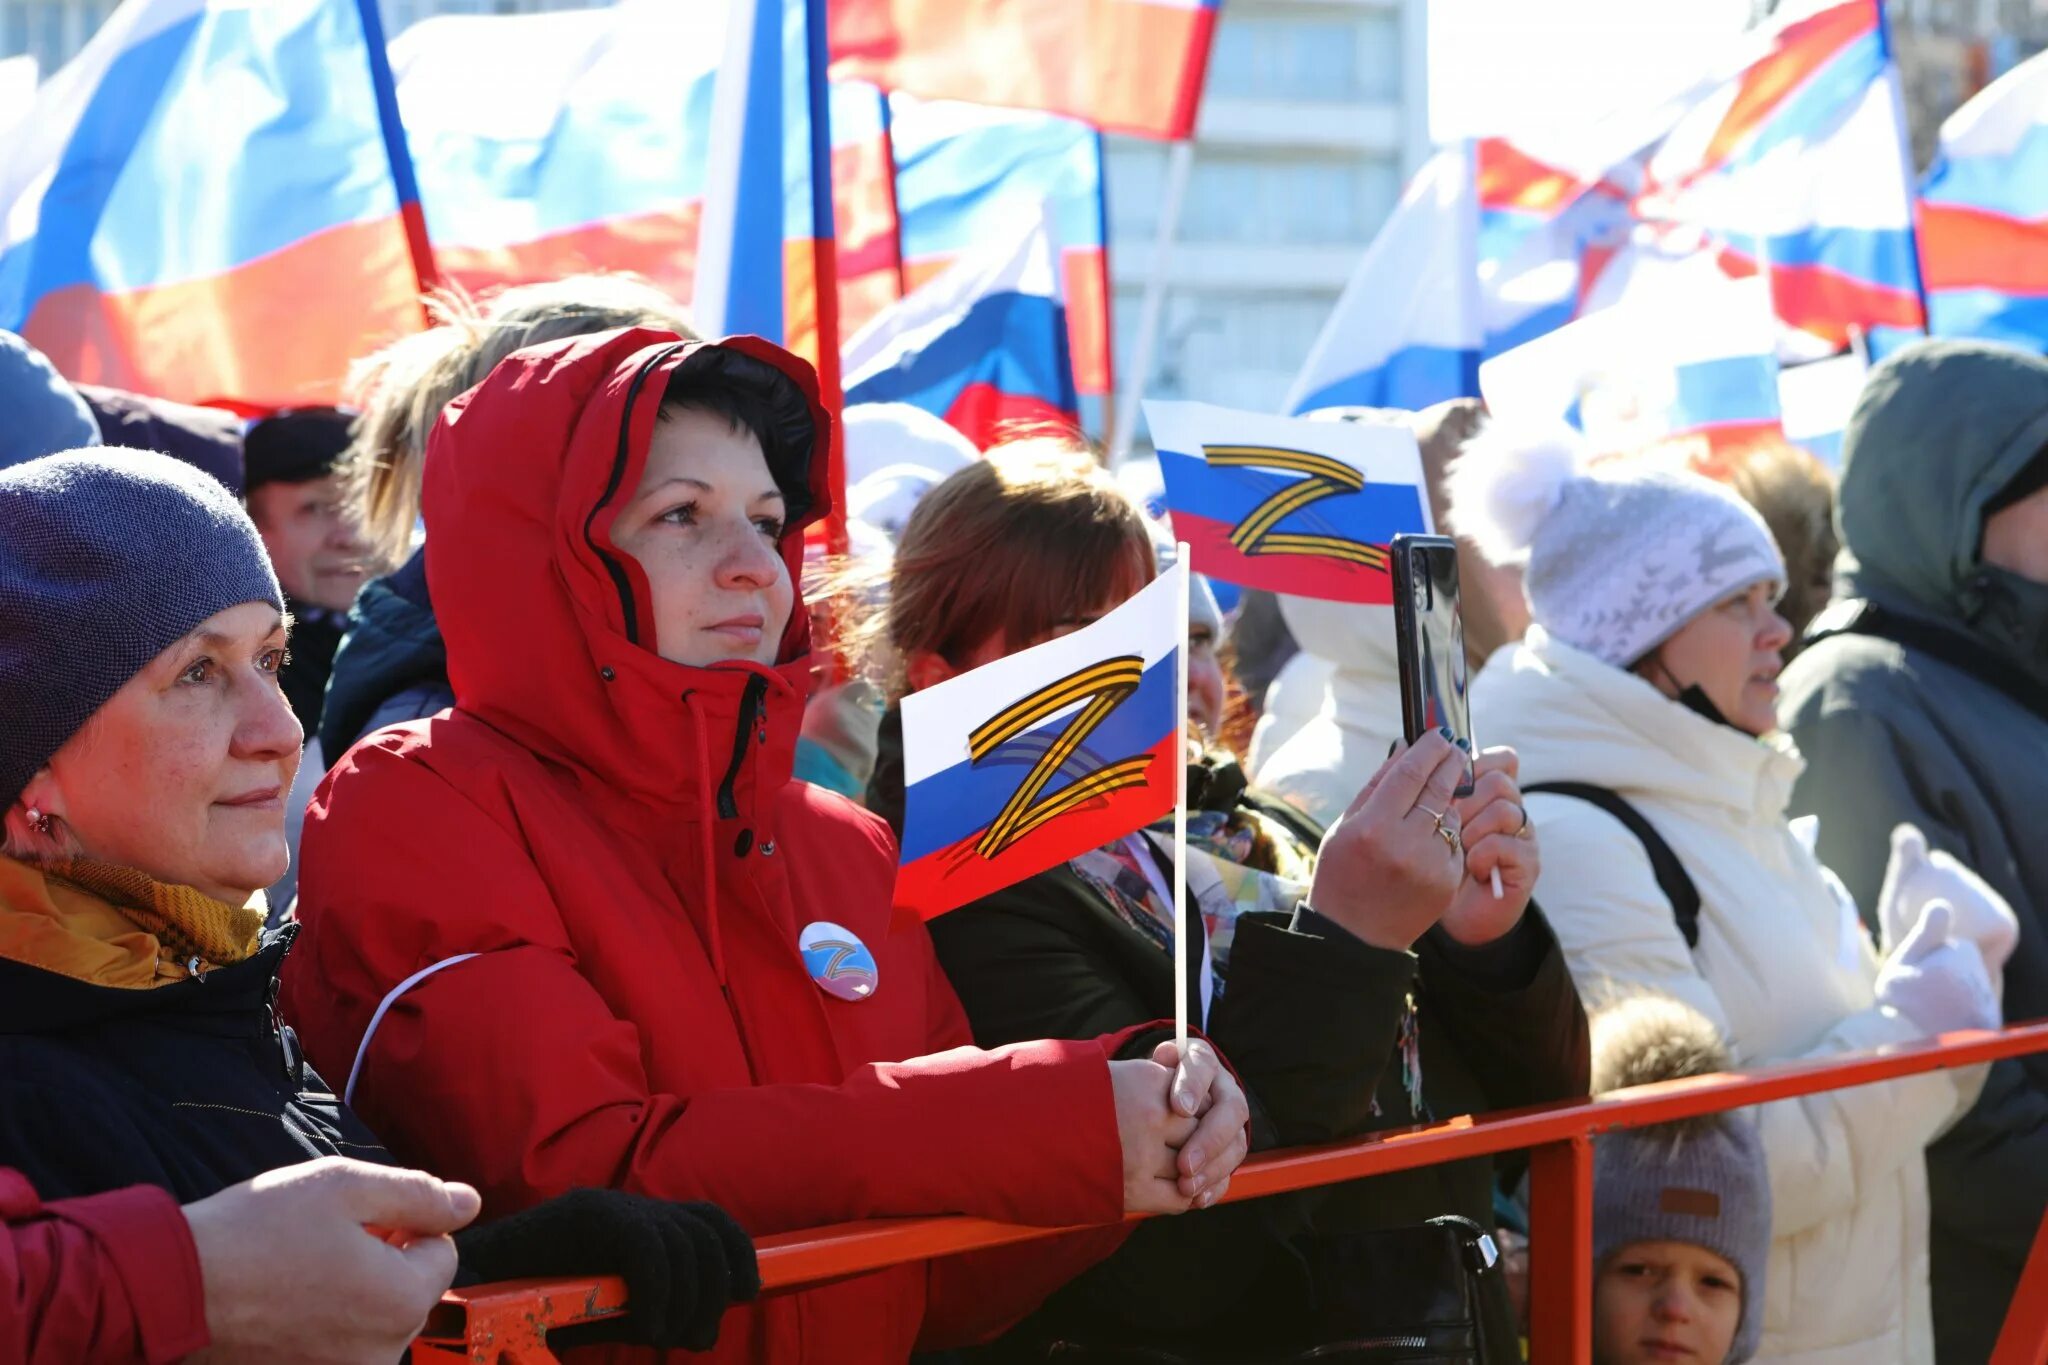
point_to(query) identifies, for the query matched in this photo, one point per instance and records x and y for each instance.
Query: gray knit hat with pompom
(1616, 558)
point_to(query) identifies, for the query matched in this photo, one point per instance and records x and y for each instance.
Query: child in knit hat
(1681, 1211)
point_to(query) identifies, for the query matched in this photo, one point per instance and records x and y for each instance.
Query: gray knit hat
(1703, 1180)
(1616, 558)
(107, 557)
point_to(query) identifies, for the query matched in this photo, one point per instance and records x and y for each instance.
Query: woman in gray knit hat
(145, 753)
(1641, 702)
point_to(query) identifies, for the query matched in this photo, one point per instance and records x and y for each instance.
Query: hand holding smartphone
(1430, 629)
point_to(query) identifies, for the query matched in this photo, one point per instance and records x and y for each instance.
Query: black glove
(684, 1264)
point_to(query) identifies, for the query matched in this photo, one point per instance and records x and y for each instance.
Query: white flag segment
(18, 77)
(36, 145)
(1816, 401)
(1406, 332)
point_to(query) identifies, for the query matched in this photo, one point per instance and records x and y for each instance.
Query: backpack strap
(1944, 643)
(1672, 878)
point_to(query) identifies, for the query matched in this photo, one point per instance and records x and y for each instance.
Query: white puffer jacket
(1783, 967)
(1326, 762)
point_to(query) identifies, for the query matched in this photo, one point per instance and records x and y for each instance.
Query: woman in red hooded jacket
(584, 929)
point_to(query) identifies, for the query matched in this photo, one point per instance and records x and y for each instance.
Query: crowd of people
(452, 838)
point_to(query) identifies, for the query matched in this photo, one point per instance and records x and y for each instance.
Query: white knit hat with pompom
(1616, 558)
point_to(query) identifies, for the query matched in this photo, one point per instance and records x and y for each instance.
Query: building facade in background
(1316, 113)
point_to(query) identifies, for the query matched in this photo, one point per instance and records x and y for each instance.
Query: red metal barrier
(507, 1324)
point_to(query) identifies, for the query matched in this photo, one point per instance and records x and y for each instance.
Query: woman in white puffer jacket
(1650, 671)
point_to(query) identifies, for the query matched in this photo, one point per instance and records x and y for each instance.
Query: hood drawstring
(709, 850)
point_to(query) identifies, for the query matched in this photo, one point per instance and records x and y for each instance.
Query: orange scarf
(113, 926)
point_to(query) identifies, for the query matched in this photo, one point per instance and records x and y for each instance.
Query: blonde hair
(1795, 495)
(401, 389)
(1013, 545)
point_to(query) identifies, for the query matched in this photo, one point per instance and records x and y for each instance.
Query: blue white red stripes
(290, 256)
(967, 174)
(982, 346)
(1131, 66)
(1292, 506)
(1042, 755)
(1406, 332)
(1788, 152)
(1984, 214)
(1686, 355)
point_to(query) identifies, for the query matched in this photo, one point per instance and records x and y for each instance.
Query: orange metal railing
(507, 1324)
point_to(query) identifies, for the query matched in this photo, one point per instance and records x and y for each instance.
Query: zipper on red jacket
(750, 710)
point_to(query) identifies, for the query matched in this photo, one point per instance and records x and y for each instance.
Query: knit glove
(1936, 982)
(1916, 876)
(683, 1264)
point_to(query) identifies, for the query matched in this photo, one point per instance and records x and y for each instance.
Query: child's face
(1656, 1302)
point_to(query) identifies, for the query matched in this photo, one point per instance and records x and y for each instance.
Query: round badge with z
(838, 961)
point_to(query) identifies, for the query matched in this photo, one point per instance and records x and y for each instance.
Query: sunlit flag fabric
(1286, 504)
(557, 143)
(203, 204)
(983, 346)
(1406, 332)
(966, 173)
(1041, 756)
(1130, 66)
(764, 257)
(1633, 380)
(1984, 214)
(1788, 152)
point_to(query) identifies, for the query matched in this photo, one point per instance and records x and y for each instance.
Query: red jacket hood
(549, 629)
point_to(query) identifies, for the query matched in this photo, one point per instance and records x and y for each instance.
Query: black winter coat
(1310, 1023)
(192, 1086)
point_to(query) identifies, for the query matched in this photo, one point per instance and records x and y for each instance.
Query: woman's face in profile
(705, 526)
(1733, 651)
(183, 773)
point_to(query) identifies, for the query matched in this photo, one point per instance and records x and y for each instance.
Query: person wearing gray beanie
(1681, 1211)
(106, 558)
(1641, 703)
(40, 414)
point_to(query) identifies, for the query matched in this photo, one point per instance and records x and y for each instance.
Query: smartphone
(1430, 626)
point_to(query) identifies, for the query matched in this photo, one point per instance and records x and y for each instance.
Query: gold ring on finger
(1449, 835)
(1523, 829)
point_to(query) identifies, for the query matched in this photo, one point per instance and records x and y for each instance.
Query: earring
(39, 822)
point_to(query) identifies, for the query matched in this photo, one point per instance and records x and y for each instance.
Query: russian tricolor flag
(1788, 153)
(1043, 755)
(1405, 333)
(557, 143)
(967, 174)
(1289, 505)
(1984, 214)
(211, 203)
(983, 346)
(1130, 66)
(1683, 354)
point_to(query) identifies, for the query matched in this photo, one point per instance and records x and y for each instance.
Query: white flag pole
(1180, 815)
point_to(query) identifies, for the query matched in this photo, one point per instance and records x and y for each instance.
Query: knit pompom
(1507, 480)
(1650, 1038)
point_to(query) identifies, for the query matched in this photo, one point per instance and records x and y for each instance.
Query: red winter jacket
(618, 840)
(110, 1280)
